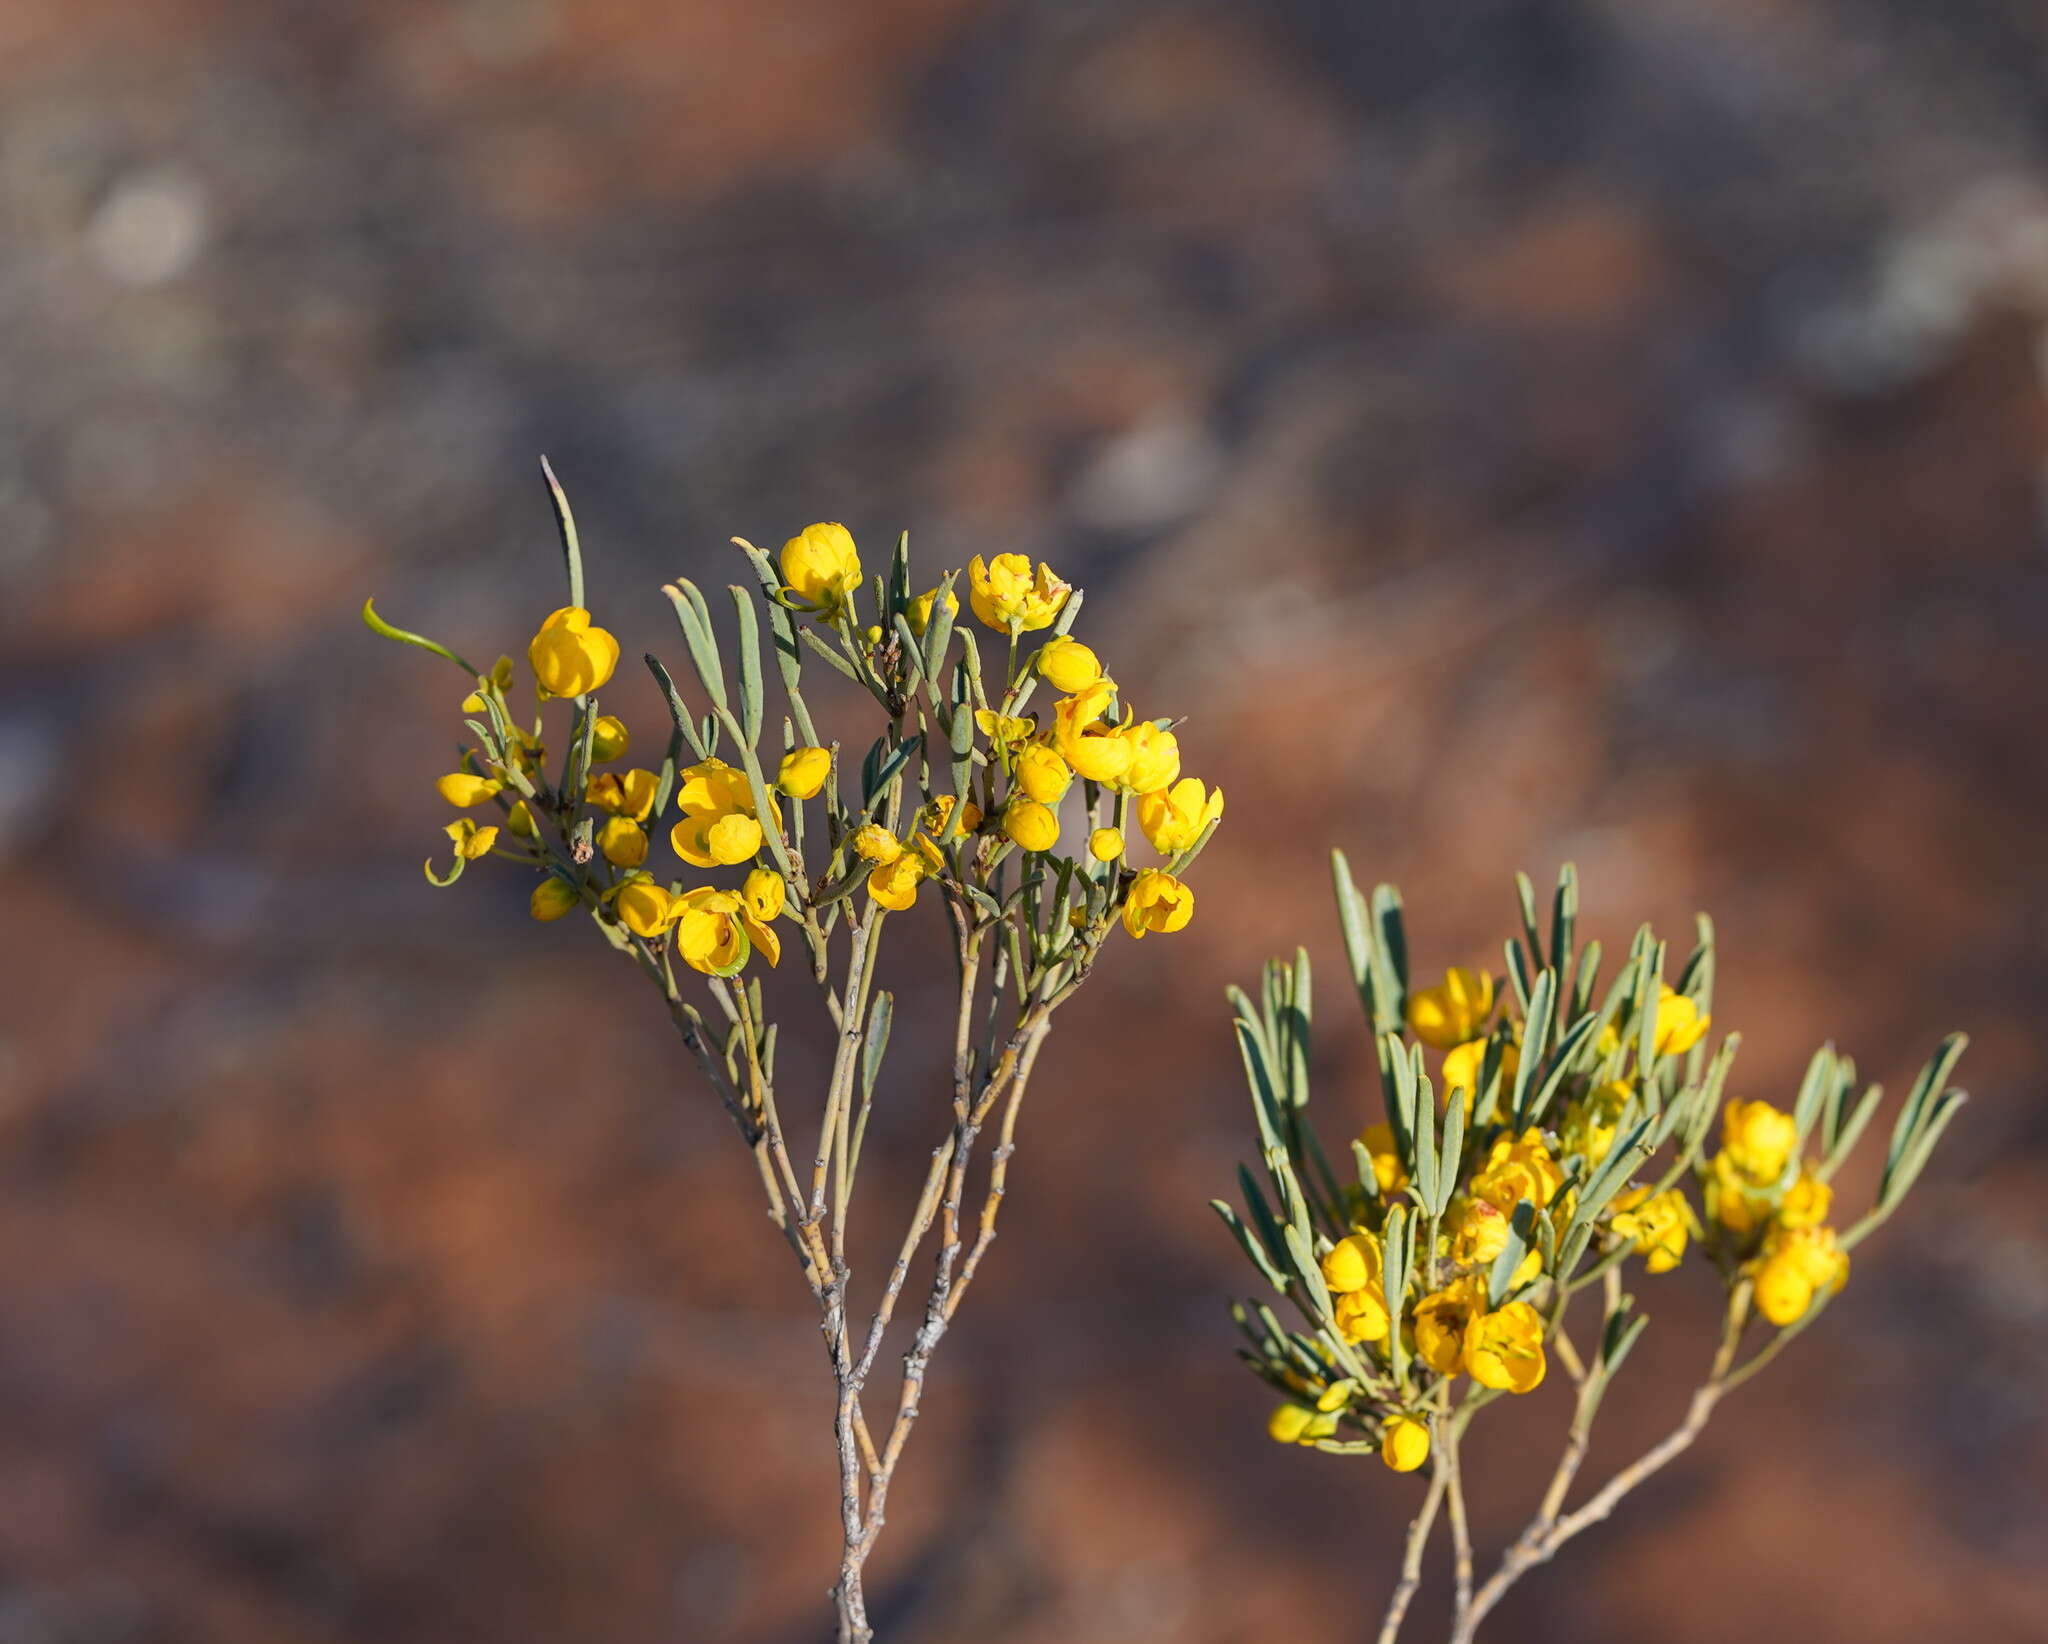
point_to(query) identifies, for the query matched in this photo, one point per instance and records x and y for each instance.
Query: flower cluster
(1017, 785)
(1569, 1140)
(738, 827)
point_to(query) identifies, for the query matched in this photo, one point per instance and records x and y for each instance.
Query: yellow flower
(471, 841)
(1173, 818)
(1591, 1124)
(644, 907)
(1157, 901)
(894, 883)
(1106, 844)
(1042, 774)
(1758, 1140)
(461, 788)
(1030, 825)
(1464, 1063)
(1004, 592)
(1006, 732)
(1795, 1265)
(1454, 1011)
(629, 795)
(569, 656)
(1504, 1349)
(1517, 1169)
(874, 843)
(920, 611)
(1068, 665)
(1155, 757)
(520, 821)
(1442, 1320)
(932, 819)
(1659, 1226)
(803, 772)
(1387, 1169)
(552, 898)
(820, 568)
(623, 842)
(1477, 1229)
(764, 894)
(608, 739)
(1680, 1025)
(1353, 1263)
(719, 824)
(1806, 1202)
(1095, 750)
(1404, 1443)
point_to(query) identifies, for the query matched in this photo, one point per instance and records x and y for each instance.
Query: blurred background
(1513, 431)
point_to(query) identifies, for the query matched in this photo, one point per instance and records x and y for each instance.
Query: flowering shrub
(1021, 830)
(1436, 1269)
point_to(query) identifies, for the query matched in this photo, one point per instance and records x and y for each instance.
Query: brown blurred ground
(1514, 432)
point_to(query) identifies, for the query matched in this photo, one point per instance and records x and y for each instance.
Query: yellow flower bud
(820, 567)
(463, 789)
(1796, 1265)
(519, 821)
(1173, 818)
(1404, 1443)
(1454, 1011)
(764, 893)
(872, 633)
(919, 613)
(608, 739)
(1352, 1263)
(1068, 665)
(1387, 1170)
(1807, 1201)
(894, 883)
(875, 843)
(1289, 1422)
(1032, 826)
(1042, 774)
(470, 841)
(803, 772)
(1157, 901)
(552, 898)
(1003, 591)
(498, 679)
(1361, 1315)
(1106, 844)
(1758, 1140)
(645, 908)
(623, 842)
(569, 657)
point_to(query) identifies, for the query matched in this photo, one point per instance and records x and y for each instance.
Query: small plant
(1435, 1263)
(961, 790)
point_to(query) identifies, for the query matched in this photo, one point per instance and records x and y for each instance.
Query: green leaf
(698, 639)
(685, 724)
(751, 702)
(565, 526)
(377, 625)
